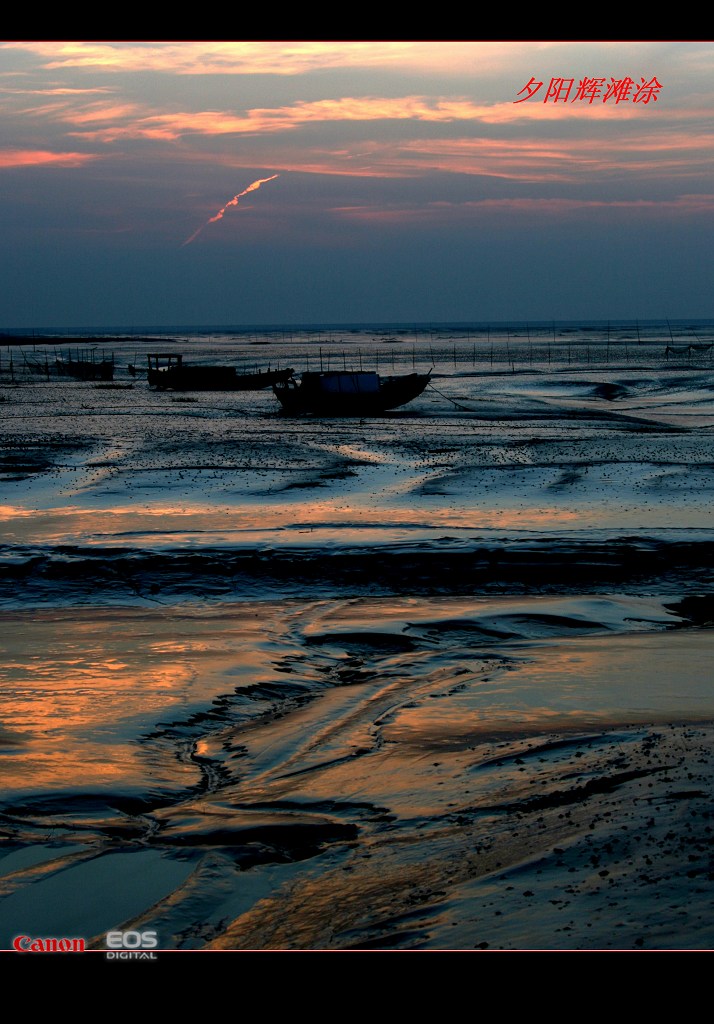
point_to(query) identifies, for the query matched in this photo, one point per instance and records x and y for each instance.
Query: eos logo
(131, 945)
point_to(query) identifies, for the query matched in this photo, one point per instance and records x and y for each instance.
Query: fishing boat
(359, 393)
(167, 371)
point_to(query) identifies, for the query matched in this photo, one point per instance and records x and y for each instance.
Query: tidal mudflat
(439, 679)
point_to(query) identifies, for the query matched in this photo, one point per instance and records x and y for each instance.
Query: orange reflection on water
(275, 521)
(581, 682)
(79, 687)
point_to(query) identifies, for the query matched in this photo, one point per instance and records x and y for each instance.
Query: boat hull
(311, 397)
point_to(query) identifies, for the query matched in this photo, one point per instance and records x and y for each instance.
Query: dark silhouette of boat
(167, 371)
(348, 394)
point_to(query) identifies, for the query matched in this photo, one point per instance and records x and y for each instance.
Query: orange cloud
(262, 120)
(216, 57)
(529, 159)
(56, 91)
(103, 112)
(39, 157)
(692, 204)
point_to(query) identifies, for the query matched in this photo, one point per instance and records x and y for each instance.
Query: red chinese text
(592, 90)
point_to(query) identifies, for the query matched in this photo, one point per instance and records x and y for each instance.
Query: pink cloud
(695, 205)
(224, 57)
(39, 158)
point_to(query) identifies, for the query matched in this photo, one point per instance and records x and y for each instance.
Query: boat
(167, 371)
(359, 393)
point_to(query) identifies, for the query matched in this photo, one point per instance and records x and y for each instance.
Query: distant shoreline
(16, 334)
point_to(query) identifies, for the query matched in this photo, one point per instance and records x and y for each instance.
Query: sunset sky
(228, 183)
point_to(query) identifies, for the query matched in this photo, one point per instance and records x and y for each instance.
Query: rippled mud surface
(434, 680)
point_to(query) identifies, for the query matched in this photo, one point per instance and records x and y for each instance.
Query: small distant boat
(360, 393)
(85, 369)
(167, 371)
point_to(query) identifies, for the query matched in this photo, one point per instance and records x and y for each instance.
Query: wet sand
(368, 774)
(440, 680)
